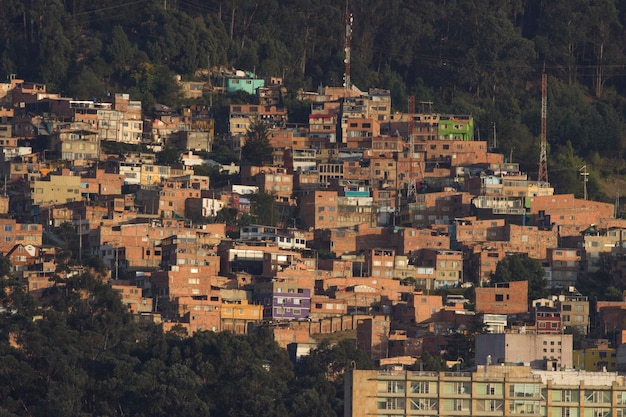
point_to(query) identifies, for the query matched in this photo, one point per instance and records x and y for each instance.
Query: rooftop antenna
(543, 153)
(346, 76)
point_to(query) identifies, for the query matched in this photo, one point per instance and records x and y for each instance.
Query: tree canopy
(257, 150)
(522, 268)
(79, 352)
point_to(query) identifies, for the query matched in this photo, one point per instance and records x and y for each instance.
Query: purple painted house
(282, 300)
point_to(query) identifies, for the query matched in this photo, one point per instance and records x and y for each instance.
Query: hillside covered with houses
(262, 235)
(388, 224)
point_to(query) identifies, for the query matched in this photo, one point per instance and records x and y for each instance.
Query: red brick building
(571, 215)
(13, 233)
(504, 298)
(319, 209)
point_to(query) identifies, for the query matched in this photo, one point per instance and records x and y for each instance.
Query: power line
(110, 7)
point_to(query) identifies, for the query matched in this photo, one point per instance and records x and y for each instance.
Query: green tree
(522, 268)
(227, 216)
(5, 266)
(257, 150)
(323, 371)
(428, 362)
(264, 208)
(223, 154)
(169, 155)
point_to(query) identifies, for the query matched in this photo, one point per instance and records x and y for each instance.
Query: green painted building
(456, 127)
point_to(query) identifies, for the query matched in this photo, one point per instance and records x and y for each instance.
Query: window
(391, 403)
(597, 396)
(421, 387)
(499, 297)
(424, 404)
(459, 405)
(567, 396)
(461, 388)
(391, 387)
(524, 390)
(601, 412)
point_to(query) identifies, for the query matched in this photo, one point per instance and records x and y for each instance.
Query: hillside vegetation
(79, 353)
(481, 57)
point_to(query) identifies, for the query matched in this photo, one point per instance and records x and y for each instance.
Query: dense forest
(479, 57)
(79, 353)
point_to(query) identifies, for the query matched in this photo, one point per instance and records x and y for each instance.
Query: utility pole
(585, 175)
(117, 266)
(617, 203)
(543, 153)
(80, 240)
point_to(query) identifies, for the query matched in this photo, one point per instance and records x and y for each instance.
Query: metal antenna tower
(543, 153)
(346, 76)
(411, 186)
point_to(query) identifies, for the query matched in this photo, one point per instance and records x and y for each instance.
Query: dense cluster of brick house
(376, 210)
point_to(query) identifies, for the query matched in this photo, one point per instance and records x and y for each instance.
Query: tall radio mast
(543, 153)
(412, 186)
(346, 76)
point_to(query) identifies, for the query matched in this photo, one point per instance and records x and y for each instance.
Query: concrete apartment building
(242, 115)
(56, 189)
(565, 264)
(574, 310)
(489, 391)
(552, 351)
(448, 265)
(75, 141)
(598, 241)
